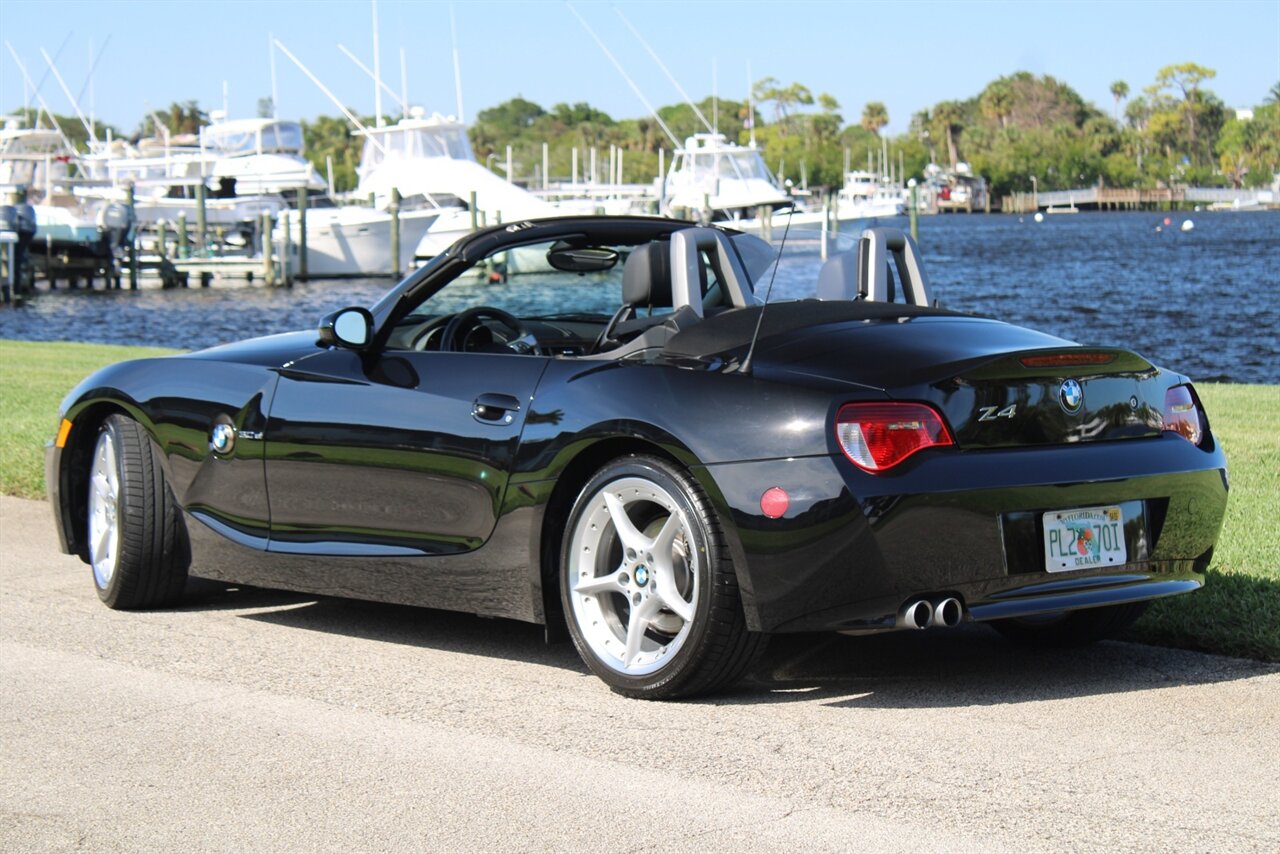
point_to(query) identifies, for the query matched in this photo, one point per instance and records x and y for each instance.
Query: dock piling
(133, 238)
(914, 212)
(393, 207)
(268, 269)
(302, 233)
(201, 220)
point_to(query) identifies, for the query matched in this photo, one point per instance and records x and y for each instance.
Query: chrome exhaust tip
(916, 615)
(948, 612)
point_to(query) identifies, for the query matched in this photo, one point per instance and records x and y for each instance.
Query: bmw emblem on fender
(1071, 397)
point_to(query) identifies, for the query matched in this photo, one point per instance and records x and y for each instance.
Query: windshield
(282, 136)
(522, 282)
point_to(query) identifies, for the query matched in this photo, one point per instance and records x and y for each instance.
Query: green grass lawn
(1238, 612)
(34, 377)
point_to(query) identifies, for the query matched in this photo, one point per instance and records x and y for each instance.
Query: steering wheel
(464, 323)
(422, 339)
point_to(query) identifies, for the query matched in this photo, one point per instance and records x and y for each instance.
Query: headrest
(646, 279)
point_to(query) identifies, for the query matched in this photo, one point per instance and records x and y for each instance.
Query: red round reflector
(774, 502)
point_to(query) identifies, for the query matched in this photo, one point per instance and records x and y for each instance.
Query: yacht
(866, 196)
(730, 183)
(429, 161)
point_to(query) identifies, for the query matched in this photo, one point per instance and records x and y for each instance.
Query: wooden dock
(1117, 198)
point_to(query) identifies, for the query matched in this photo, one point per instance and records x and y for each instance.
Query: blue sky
(907, 54)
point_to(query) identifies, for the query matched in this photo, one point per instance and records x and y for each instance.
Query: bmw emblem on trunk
(1071, 397)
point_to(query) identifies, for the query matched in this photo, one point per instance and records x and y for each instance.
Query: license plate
(1083, 539)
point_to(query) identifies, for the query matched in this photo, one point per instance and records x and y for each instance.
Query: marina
(1173, 295)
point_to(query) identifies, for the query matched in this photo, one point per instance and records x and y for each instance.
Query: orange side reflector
(64, 430)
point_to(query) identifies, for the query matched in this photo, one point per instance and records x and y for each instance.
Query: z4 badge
(991, 413)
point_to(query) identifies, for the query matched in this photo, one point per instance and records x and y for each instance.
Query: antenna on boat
(377, 71)
(715, 98)
(66, 90)
(751, 108)
(665, 70)
(40, 98)
(275, 92)
(404, 106)
(345, 112)
(457, 67)
(94, 59)
(755, 336)
(634, 88)
(404, 86)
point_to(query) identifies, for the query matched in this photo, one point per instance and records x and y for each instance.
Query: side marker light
(64, 430)
(774, 502)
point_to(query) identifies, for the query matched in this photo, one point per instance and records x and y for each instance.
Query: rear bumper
(854, 547)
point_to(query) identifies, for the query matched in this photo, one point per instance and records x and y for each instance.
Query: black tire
(675, 656)
(137, 544)
(1071, 628)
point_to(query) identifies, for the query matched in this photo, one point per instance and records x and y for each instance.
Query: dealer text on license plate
(1083, 538)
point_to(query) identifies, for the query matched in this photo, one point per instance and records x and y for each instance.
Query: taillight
(877, 436)
(1181, 414)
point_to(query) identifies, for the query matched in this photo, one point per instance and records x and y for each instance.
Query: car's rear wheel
(1071, 628)
(649, 590)
(137, 540)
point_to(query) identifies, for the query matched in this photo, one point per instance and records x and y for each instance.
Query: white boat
(251, 167)
(865, 196)
(430, 163)
(714, 179)
(730, 180)
(351, 241)
(37, 168)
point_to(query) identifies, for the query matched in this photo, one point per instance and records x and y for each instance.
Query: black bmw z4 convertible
(601, 425)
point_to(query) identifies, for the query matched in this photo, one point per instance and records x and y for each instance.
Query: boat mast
(377, 71)
(666, 71)
(457, 66)
(337, 103)
(634, 88)
(275, 92)
(66, 90)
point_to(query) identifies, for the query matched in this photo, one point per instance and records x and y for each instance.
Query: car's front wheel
(137, 539)
(649, 590)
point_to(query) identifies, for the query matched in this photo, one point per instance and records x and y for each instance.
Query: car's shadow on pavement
(967, 666)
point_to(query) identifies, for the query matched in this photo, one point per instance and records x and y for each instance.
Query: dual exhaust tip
(922, 613)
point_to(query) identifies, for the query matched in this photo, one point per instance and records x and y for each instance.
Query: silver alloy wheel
(634, 590)
(104, 504)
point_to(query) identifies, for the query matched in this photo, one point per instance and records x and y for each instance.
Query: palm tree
(1119, 91)
(949, 116)
(875, 116)
(1273, 97)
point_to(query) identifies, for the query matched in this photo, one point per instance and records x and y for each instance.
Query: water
(1204, 302)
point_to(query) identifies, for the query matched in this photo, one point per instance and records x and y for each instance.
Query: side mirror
(351, 328)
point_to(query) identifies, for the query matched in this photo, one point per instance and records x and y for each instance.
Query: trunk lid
(996, 385)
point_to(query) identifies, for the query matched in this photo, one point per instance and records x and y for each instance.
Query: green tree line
(1174, 131)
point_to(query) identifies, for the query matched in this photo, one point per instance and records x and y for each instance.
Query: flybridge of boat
(710, 156)
(243, 137)
(415, 138)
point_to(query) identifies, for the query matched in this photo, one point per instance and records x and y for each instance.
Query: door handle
(491, 408)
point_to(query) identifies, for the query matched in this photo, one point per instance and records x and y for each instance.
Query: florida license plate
(1084, 538)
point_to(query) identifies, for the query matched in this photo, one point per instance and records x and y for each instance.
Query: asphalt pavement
(253, 720)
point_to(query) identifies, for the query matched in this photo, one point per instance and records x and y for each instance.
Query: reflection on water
(1205, 302)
